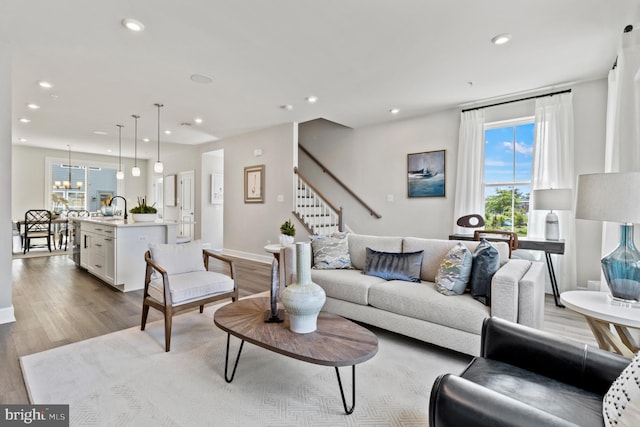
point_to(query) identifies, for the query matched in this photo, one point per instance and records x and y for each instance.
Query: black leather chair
(526, 377)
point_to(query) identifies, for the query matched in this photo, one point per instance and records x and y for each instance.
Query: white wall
(212, 229)
(6, 302)
(29, 170)
(372, 161)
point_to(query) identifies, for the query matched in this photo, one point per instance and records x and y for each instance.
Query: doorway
(187, 204)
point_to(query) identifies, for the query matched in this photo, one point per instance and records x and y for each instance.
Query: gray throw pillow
(330, 252)
(394, 265)
(453, 274)
(486, 261)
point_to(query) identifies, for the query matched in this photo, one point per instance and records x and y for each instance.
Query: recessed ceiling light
(201, 78)
(24, 120)
(501, 39)
(33, 106)
(146, 139)
(44, 84)
(100, 132)
(394, 111)
(287, 107)
(312, 99)
(167, 132)
(198, 120)
(109, 150)
(133, 24)
(22, 139)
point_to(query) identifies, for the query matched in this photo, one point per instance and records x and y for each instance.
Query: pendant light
(67, 184)
(158, 167)
(135, 170)
(120, 173)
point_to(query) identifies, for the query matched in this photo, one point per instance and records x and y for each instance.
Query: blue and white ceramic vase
(303, 299)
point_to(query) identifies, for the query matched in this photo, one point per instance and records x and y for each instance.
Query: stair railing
(314, 211)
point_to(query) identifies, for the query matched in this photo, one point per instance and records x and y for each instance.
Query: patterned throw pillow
(404, 266)
(486, 261)
(453, 273)
(330, 252)
(621, 404)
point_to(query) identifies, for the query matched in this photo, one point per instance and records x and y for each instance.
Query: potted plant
(143, 212)
(287, 232)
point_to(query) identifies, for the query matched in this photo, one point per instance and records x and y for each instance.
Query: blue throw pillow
(453, 273)
(394, 265)
(486, 261)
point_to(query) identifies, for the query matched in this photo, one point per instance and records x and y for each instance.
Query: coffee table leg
(348, 410)
(226, 361)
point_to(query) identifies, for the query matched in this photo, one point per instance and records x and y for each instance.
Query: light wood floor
(57, 303)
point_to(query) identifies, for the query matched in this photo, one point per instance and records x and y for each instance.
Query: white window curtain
(469, 195)
(553, 168)
(622, 149)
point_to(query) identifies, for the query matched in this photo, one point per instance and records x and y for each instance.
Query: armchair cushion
(178, 259)
(186, 287)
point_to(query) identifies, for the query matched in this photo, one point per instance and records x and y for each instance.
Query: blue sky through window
(508, 157)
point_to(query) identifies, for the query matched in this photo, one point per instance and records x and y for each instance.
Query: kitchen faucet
(125, 204)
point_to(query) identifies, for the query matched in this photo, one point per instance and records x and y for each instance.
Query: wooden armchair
(178, 278)
(498, 236)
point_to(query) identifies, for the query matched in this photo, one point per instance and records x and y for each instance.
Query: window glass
(81, 187)
(508, 162)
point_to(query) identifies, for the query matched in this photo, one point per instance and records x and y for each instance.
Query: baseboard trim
(7, 315)
(267, 259)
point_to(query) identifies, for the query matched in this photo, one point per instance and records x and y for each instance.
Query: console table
(547, 246)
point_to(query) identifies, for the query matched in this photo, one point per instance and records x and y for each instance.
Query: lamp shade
(609, 197)
(552, 199)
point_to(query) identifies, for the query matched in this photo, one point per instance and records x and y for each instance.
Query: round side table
(602, 314)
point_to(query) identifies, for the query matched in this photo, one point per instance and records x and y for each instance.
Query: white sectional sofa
(417, 309)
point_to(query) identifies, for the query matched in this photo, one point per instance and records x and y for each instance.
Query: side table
(601, 315)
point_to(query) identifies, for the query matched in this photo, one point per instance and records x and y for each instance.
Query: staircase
(317, 215)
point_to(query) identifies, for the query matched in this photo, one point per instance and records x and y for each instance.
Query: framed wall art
(217, 188)
(254, 184)
(426, 174)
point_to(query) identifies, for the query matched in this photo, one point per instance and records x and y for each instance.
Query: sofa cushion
(330, 252)
(621, 404)
(358, 244)
(189, 286)
(393, 265)
(178, 259)
(422, 301)
(485, 264)
(436, 249)
(453, 273)
(347, 285)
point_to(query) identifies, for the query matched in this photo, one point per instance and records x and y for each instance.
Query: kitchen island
(113, 248)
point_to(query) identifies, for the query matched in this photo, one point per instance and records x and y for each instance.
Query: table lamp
(615, 197)
(548, 200)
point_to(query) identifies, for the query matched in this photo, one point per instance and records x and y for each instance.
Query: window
(81, 185)
(508, 161)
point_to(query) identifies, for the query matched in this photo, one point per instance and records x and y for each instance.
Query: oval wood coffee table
(336, 342)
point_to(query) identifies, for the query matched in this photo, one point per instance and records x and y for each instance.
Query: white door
(187, 204)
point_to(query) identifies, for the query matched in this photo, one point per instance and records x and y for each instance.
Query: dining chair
(37, 225)
(63, 233)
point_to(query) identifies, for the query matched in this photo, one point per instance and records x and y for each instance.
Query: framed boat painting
(426, 174)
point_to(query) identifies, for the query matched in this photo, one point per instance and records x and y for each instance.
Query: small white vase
(303, 299)
(286, 240)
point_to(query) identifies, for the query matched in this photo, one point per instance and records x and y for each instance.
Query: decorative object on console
(274, 315)
(614, 197)
(303, 299)
(551, 199)
(287, 232)
(470, 221)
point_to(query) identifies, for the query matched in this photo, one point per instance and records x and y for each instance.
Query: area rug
(126, 379)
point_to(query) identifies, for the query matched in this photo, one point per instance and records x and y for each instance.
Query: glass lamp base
(621, 267)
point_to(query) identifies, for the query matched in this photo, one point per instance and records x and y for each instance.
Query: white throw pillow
(621, 404)
(178, 259)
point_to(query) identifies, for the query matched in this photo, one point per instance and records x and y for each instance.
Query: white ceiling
(360, 57)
